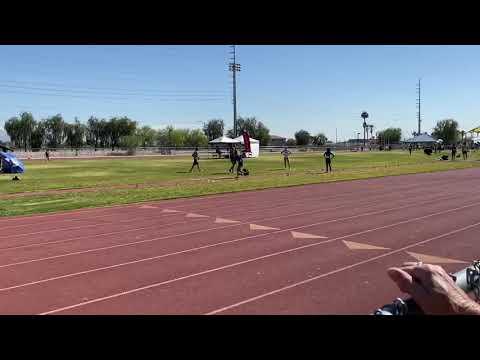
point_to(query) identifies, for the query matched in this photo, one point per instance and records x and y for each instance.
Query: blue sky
(316, 88)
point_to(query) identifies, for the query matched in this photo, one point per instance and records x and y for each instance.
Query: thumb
(402, 279)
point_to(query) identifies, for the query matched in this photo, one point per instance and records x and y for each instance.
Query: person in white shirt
(285, 154)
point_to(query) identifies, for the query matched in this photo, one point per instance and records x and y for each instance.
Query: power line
(97, 89)
(111, 94)
(109, 98)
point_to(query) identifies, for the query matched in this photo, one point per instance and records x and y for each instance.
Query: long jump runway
(315, 249)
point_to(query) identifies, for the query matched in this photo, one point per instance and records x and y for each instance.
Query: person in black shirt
(464, 151)
(410, 149)
(233, 158)
(218, 151)
(47, 155)
(239, 163)
(454, 151)
(328, 155)
(195, 160)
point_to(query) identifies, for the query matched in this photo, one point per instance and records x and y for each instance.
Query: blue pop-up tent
(10, 164)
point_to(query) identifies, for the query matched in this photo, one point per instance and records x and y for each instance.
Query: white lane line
(218, 228)
(265, 257)
(94, 236)
(125, 221)
(143, 217)
(182, 234)
(339, 270)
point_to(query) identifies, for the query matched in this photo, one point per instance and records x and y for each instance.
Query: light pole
(234, 67)
(364, 116)
(358, 138)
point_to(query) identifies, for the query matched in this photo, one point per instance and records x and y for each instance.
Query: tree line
(303, 137)
(54, 132)
(117, 132)
(446, 130)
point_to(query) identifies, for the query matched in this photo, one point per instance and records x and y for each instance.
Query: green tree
(389, 136)
(302, 137)
(38, 135)
(447, 130)
(291, 142)
(131, 142)
(20, 130)
(55, 131)
(319, 140)
(262, 134)
(104, 133)
(162, 137)
(75, 134)
(256, 129)
(93, 132)
(119, 127)
(147, 136)
(214, 128)
(13, 129)
(196, 138)
(27, 125)
(177, 137)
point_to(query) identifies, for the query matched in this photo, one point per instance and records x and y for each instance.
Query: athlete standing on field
(328, 155)
(285, 154)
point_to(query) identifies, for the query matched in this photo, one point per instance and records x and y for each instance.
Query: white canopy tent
(224, 140)
(254, 146)
(422, 138)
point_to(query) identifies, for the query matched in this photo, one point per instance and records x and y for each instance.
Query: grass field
(72, 184)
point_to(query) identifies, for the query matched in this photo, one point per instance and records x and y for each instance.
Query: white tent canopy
(254, 146)
(224, 140)
(423, 138)
(252, 140)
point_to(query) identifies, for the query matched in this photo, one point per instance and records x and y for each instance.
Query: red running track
(315, 249)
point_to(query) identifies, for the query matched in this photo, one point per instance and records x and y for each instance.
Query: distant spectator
(285, 154)
(233, 158)
(464, 151)
(195, 160)
(240, 163)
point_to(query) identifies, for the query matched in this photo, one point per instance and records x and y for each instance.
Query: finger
(421, 273)
(403, 279)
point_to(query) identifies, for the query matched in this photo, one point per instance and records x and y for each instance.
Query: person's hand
(433, 289)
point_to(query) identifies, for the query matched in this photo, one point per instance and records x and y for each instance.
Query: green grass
(114, 181)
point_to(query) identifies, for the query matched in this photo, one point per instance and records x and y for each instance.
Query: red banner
(246, 141)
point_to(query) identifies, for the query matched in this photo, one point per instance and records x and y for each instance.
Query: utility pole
(335, 136)
(234, 67)
(419, 106)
